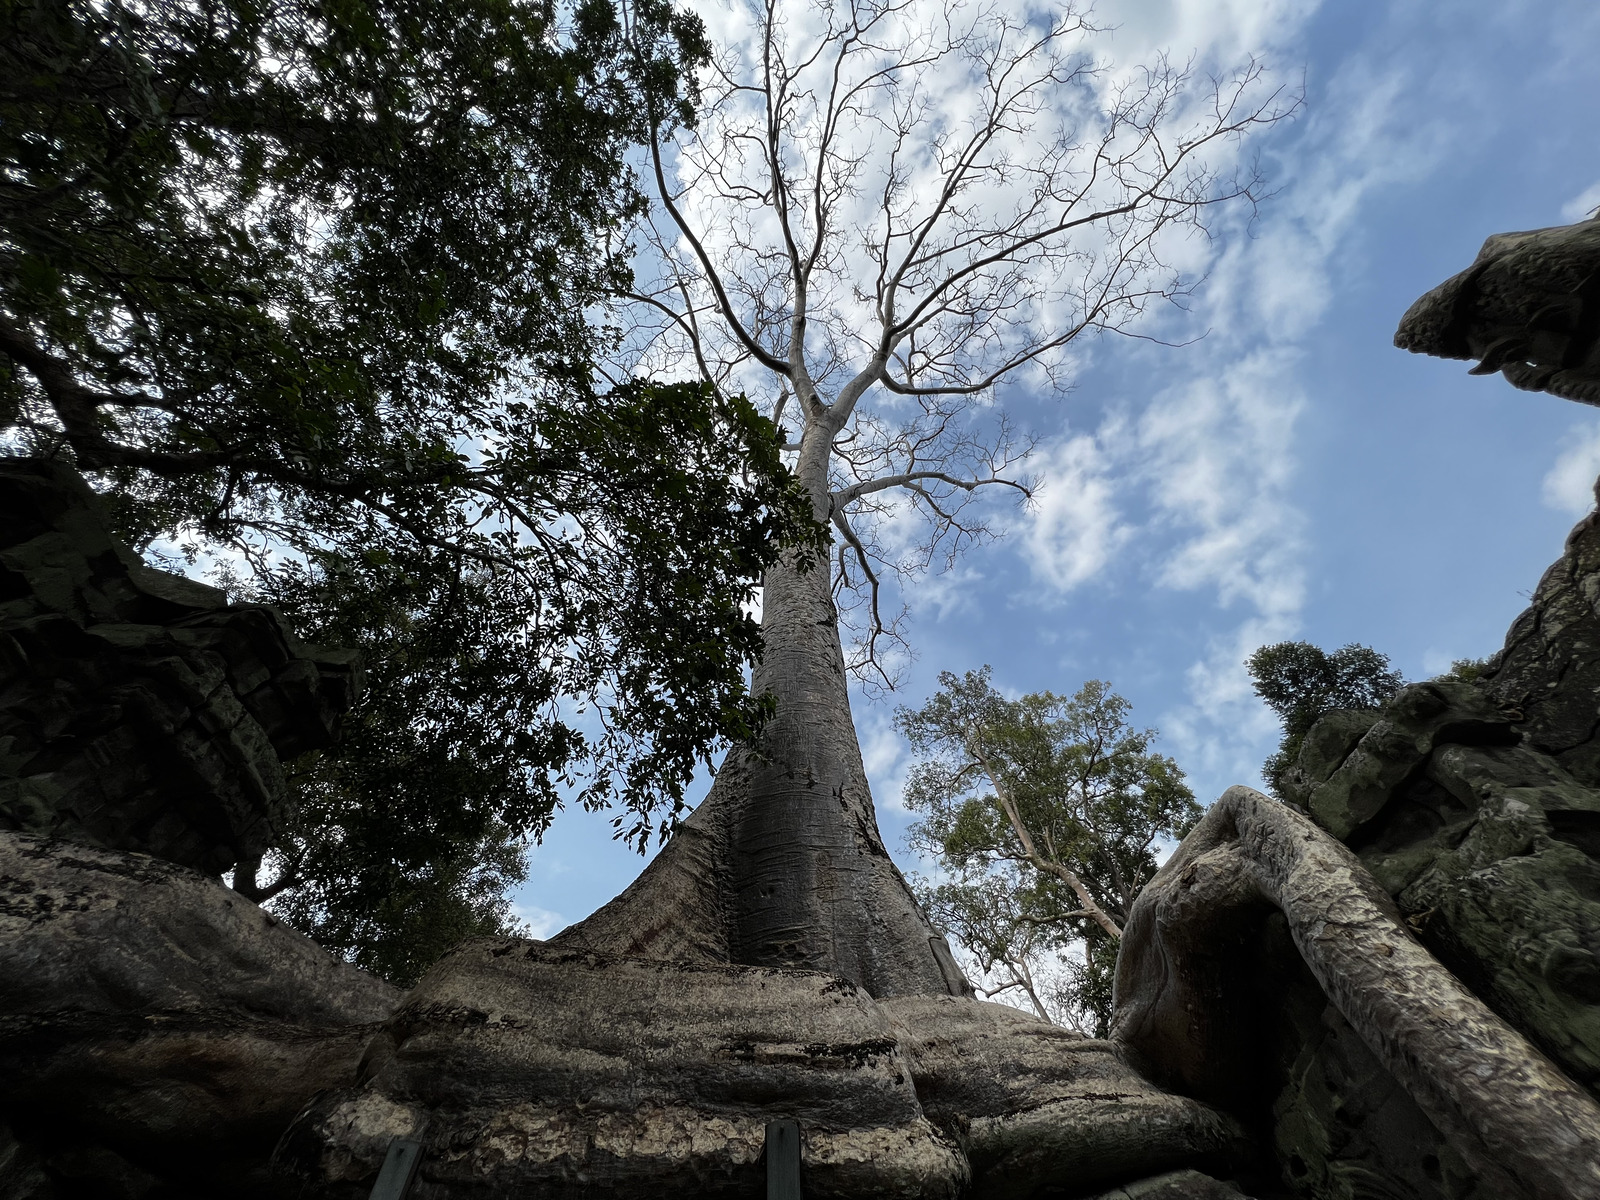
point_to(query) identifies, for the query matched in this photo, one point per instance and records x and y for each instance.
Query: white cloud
(1583, 204)
(1213, 452)
(1216, 449)
(883, 753)
(1223, 732)
(1569, 484)
(948, 593)
(541, 922)
(1073, 528)
(1219, 461)
(1217, 455)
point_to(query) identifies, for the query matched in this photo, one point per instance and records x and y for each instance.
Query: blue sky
(1291, 474)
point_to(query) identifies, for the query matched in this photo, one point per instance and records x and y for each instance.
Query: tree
(885, 209)
(1011, 935)
(305, 285)
(1045, 811)
(1300, 682)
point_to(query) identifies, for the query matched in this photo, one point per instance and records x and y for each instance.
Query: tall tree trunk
(782, 865)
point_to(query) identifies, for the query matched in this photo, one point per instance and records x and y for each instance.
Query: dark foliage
(305, 284)
(1300, 682)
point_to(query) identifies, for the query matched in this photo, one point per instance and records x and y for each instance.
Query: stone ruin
(140, 709)
(1387, 987)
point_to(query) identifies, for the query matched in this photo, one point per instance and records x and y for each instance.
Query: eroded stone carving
(139, 710)
(1528, 307)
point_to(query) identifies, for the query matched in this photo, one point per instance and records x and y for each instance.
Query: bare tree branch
(664, 194)
(888, 208)
(843, 496)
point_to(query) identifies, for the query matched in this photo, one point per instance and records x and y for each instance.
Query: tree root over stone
(525, 1067)
(1524, 1127)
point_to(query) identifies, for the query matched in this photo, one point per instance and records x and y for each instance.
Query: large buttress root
(782, 865)
(1486, 1088)
(677, 909)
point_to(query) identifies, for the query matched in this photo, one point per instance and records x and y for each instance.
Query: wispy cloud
(1208, 461)
(1583, 204)
(883, 753)
(541, 922)
(1216, 455)
(1073, 529)
(1569, 485)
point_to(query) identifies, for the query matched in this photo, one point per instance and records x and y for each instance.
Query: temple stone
(151, 1016)
(1528, 307)
(138, 709)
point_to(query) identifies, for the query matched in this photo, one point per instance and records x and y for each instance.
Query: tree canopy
(1300, 682)
(1044, 812)
(306, 286)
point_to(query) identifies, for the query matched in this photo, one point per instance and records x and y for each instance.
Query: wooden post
(783, 1160)
(399, 1169)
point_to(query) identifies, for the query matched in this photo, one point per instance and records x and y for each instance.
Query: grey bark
(813, 884)
(1514, 1115)
(173, 1028)
(1476, 806)
(101, 931)
(782, 865)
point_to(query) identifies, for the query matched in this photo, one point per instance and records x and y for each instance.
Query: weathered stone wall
(1475, 806)
(157, 1030)
(1207, 1000)
(138, 709)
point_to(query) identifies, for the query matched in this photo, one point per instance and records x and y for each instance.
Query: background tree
(1045, 812)
(883, 210)
(1300, 682)
(998, 921)
(301, 285)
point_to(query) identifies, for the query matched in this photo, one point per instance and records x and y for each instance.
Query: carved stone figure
(1528, 307)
